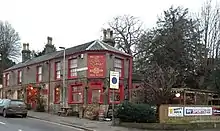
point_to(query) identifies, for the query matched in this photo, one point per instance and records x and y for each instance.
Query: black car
(13, 107)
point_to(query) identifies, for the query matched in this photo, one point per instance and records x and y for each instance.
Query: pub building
(87, 68)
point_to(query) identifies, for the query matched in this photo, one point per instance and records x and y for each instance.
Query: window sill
(94, 103)
(72, 77)
(56, 102)
(75, 102)
(115, 102)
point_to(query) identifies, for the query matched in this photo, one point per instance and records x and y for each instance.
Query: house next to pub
(86, 74)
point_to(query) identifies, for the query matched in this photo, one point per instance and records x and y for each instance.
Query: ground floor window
(118, 95)
(76, 94)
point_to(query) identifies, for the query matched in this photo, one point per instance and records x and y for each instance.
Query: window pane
(58, 67)
(118, 70)
(77, 97)
(20, 74)
(118, 63)
(39, 70)
(77, 89)
(40, 77)
(73, 72)
(73, 63)
(116, 96)
(96, 96)
(58, 74)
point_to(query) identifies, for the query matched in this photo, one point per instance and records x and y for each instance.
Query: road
(29, 124)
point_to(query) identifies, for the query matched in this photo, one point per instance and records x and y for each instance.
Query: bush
(141, 113)
(40, 107)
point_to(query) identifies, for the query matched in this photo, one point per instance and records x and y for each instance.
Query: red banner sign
(96, 65)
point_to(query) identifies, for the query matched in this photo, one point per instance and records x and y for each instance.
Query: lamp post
(64, 76)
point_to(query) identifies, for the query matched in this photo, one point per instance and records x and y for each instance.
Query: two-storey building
(87, 69)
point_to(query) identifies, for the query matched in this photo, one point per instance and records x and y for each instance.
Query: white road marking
(59, 124)
(19, 130)
(2, 123)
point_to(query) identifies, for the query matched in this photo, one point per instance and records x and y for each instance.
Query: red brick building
(86, 74)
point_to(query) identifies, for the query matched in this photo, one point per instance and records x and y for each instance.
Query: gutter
(130, 76)
(49, 66)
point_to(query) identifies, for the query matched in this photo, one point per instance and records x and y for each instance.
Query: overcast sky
(73, 22)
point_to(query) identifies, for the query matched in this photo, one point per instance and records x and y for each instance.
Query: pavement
(85, 124)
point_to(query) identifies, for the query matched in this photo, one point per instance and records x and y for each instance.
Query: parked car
(13, 107)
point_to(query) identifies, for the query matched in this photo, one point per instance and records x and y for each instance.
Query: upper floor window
(72, 64)
(7, 79)
(19, 77)
(39, 74)
(118, 66)
(57, 70)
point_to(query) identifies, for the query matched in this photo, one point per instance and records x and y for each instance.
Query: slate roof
(92, 45)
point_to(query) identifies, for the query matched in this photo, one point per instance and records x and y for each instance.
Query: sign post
(114, 84)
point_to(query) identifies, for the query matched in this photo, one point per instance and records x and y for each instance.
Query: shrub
(141, 113)
(40, 107)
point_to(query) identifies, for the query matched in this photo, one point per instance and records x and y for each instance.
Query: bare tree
(210, 23)
(127, 30)
(9, 41)
(158, 84)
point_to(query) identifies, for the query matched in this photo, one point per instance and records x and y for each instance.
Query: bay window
(119, 66)
(72, 66)
(57, 70)
(39, 74)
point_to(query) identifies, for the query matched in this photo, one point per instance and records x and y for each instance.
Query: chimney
(49, 46)
(26, 53)
(108, 37)
(49, 40)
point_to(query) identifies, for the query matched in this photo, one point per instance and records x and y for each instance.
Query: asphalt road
(29, 124)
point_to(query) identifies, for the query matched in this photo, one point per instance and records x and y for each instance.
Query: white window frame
(19, 76)
(39, 73)
(118, 66)
(72, 67)
(58, 70)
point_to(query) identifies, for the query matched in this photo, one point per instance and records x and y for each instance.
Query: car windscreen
(13, 102)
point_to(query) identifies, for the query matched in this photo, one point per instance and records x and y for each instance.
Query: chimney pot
(108, 37)
(49, 40)
(104, 34)
(24, 46)
(27, 46)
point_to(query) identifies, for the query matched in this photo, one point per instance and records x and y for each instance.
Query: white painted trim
(90, 46)
(102, 45)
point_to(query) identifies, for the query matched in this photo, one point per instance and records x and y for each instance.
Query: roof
(92, 45)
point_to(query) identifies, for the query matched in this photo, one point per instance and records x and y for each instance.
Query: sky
(74, 22)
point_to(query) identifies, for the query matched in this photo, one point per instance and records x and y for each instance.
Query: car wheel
(24, 115)
(4, 113)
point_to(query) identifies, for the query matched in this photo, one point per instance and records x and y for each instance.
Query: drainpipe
(129, 77)
(49, 65)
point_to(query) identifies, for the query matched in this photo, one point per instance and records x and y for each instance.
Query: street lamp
(64, 76)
